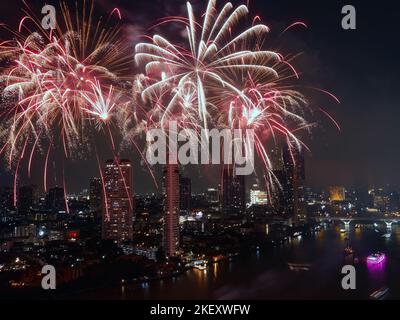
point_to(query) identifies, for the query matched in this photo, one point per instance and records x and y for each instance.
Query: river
(263, 273)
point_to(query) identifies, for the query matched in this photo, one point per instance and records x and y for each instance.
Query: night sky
(359, 66)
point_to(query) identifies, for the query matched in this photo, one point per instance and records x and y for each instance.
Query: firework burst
(60, 87)
(212, 53)
(224, 78)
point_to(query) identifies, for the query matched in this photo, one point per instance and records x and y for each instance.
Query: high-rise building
(27, 198)
(171, 210)
(233, 192)
(185, 194)
(118, 208)
(291, 177)
(96, 196)
(55, 200)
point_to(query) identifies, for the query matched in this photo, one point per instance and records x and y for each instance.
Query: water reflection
(323, 250)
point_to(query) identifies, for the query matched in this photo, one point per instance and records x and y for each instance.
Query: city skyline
(199, 150)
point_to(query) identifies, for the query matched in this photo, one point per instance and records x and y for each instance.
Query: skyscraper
(171, 210)
(55, 200)
(291, 177)
(233, 192)
(95, 196)
(185, 194)
(117, 222)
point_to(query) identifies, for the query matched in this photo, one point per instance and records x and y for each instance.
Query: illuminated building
(336, 193)
(95, 196)
(291, 177)
(257, 196)
(171, 210)
(233, 192)
(117, 222)
(385, 199)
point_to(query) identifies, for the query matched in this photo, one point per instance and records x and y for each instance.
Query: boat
(299, 266)
(380, 294)
(201, 266)
(348, 250)
(376, 257)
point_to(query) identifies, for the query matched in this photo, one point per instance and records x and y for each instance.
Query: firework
(56, 83)
(224, 78)
(213, 52)
(59, 87)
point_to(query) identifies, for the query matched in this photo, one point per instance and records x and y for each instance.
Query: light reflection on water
(264, 274)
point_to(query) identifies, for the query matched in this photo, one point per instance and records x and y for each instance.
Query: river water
(263, 273)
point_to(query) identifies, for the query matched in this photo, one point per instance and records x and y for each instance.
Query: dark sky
(360, 66)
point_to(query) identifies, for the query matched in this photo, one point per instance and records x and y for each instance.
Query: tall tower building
(233, 192)
(185, 194)
(171, 209)
(95, 196)
(117, 222)
(291, 177)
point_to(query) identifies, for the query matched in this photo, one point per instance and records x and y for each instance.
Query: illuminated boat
(349, 250)
(201, 266)
(380, 294)
(299, 266)
(376, 257)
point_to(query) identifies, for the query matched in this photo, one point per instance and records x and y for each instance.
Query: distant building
(55, 200)
(25, 231)
(118, 209)
(171, 210)
(185, 194)
(6, 200)
(96, 196)
(337, 193)
(385, 199)
(257, 196)
(233, 192)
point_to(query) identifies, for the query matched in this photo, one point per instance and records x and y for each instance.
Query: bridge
(388, 221)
